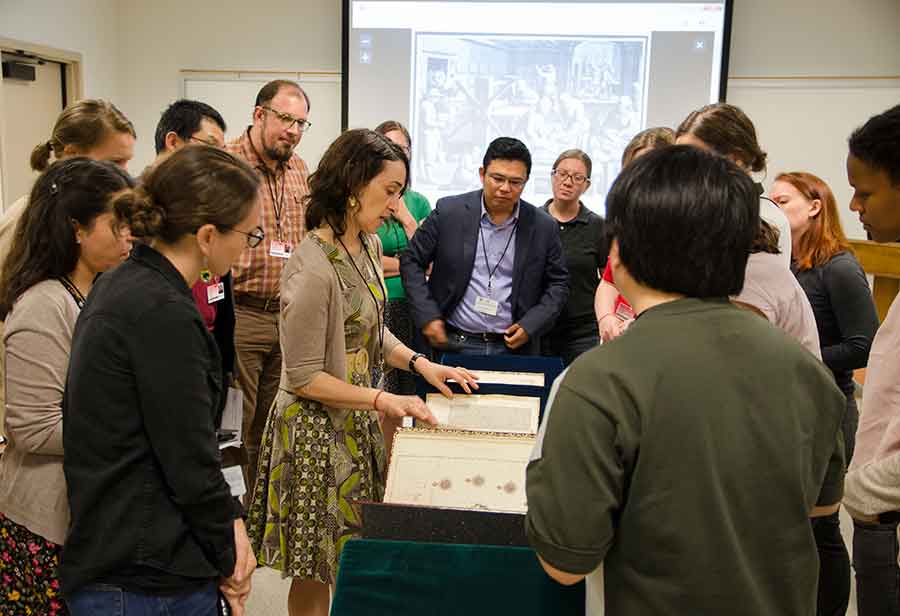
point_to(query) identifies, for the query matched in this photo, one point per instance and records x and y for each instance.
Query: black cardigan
(151, 510)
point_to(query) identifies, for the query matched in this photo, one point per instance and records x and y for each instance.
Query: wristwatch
(412, 362)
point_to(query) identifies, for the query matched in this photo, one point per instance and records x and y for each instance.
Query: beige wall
(815, 37)
(88, 27)
(161, 38)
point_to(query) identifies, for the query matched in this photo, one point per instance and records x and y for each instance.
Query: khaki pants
(258, 359)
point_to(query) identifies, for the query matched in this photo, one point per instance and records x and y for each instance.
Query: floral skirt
(309, 473)
(28, 583)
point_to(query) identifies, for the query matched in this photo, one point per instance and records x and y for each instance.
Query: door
(30, 109)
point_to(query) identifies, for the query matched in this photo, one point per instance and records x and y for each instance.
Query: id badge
(624, 312)
(486, 305)
(235, 478)
(215, 293)
(280, 249)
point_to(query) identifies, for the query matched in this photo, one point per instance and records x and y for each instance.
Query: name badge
(486, 305)
(624, 312)
(278, 249)
(215, 293)
(235, 478)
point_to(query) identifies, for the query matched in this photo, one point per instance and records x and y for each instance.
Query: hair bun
(136, 208)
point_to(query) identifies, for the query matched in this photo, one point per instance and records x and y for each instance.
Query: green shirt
(685, 456)
(394, 241)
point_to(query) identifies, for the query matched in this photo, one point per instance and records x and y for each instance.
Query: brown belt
(270, 304)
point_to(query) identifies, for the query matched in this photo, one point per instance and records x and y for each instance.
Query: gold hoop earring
(353, 203)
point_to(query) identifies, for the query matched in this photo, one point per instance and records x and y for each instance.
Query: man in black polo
(686, 455)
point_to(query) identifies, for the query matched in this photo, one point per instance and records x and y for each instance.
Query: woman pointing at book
(323, 446)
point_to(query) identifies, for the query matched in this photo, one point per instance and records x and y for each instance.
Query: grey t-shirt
(685, 456)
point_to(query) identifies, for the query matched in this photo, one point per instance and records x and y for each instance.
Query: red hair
(825, 236)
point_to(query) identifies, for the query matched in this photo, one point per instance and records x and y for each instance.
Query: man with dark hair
(189, 121)
(686, 455)
(498, 280)
(279, 121)
(873, 481)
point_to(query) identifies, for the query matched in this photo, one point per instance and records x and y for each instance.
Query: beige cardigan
(8, 223)
(38, 339)
(312, 320)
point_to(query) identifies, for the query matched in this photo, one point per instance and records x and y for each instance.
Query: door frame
(73, 63)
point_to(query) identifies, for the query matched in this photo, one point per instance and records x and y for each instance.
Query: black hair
(877, 143)
(685, 221)
(183, 117)
(193, 187)
(44, 246)
(508, 148)
(346, 168)
(271, 90)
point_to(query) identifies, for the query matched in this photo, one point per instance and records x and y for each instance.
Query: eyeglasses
(288, 121)
(577, 178)
(210, 142)
(500, 180)
(254, 238)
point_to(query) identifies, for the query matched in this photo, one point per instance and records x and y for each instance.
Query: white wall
(161, 38)
(88, 27)
(804, 125)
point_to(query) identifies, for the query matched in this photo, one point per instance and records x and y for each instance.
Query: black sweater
(845, 314)
(151, 510)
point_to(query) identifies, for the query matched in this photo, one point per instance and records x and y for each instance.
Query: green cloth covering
(394, 240)
(401, 577)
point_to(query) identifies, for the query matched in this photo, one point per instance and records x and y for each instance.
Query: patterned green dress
(309, 470)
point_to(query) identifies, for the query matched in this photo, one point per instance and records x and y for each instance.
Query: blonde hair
(656, 137)
(82, 124)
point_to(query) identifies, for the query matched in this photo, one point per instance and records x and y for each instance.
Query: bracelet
(412, 362)
(375, 401)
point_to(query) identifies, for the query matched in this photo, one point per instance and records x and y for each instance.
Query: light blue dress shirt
(493, 238)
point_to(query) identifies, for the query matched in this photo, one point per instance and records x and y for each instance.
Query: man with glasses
(279, 121)
(498, 280)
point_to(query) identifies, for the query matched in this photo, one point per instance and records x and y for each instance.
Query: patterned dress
(28, 583)
(309, 471)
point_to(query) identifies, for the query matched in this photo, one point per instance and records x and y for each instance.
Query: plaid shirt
(257, 272)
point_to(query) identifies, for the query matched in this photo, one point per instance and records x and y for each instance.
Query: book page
(458, 469)
(486, 413)
(497, 377)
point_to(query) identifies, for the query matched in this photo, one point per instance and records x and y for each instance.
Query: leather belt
(890, 517)
(266, 304)
(483, 336)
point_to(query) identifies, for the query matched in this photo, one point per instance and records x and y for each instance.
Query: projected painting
(553, 93)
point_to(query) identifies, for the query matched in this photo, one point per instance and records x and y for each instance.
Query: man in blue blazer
(498, 278)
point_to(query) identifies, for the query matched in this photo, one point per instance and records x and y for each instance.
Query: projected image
(553, 93)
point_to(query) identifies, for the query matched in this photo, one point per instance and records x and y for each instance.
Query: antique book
(486, 413)
(498, 377)
(468, 470)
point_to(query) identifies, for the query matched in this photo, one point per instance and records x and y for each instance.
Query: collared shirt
(495, 248)
(873, 481)
(585, 247)
(257, 272)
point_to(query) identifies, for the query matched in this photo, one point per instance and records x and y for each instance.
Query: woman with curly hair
(323, 445)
